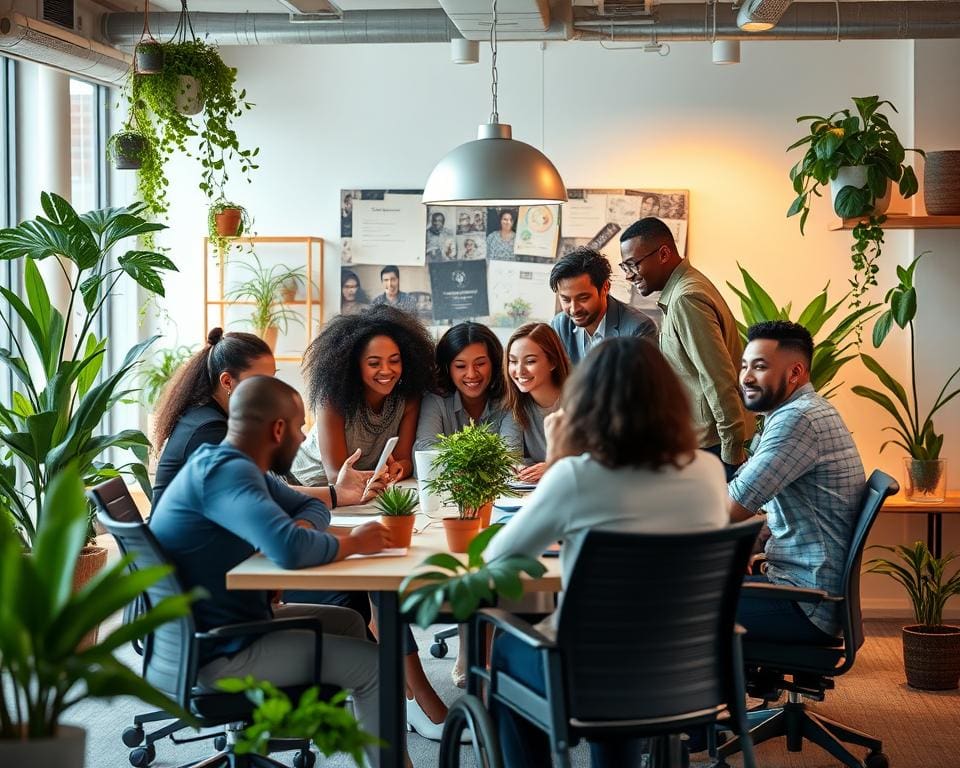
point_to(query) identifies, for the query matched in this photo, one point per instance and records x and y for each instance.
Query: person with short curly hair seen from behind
(365, 377)
(622, 456)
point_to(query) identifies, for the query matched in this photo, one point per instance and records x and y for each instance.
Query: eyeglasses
(630, 268)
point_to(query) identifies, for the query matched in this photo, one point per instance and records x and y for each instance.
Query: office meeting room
(481, 383)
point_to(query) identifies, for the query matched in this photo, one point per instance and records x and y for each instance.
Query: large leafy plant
(56, 412)
(830, 352)
(474, 466)
(844, 139)
(328, 724)
(914, 433)
(42, 620)
(465, 586)
(924, 578)
(153, 103)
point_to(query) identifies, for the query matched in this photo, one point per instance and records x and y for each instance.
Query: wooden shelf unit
(313, 280)
(903, 221)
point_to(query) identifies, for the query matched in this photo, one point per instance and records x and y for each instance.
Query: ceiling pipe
(891, 20)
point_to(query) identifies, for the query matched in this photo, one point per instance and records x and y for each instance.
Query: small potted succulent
(473, 468)
(931, 649)
(397, 513)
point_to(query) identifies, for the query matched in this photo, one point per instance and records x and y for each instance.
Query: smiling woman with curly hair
(365, 376)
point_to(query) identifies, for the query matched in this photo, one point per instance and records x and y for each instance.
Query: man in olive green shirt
(698, 336)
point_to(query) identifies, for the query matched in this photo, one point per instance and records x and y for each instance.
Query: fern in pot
(473, 466)
(931, 649)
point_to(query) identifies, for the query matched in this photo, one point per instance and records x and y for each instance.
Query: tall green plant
(158, 369)
(42, 620)
(924, 578)
(831, 352)
(265, 288)
(915, 434)
(55, 416)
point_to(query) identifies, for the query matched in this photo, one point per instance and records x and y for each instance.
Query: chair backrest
(170, 653)
(879, 487)
(647, 621)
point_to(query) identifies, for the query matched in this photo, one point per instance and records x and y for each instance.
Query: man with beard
(223, 506)
(805, 474)
(589, 314)
(698, 336)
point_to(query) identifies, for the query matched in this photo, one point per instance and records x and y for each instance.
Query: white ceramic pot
(189, 97)
(65, 750)
(856, 176)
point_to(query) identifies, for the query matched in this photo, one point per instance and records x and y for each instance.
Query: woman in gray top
(471, 388)
(365, 376)
(537, 367)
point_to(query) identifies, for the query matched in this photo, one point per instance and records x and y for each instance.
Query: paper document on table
(349, 520)
(392, 552)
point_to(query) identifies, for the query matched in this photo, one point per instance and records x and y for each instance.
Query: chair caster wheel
(877, 760)
(439, 649)
(141, 757)
(132, 736)
(304, 759)
(220, 742)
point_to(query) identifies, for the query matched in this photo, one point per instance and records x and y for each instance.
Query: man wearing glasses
(698, 336)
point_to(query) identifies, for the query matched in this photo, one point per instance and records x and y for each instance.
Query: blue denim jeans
(777, 620)
(522, 743)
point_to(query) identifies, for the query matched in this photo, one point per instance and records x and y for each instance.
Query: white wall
(332, 117)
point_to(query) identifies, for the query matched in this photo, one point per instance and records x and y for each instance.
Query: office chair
(170, 653)
(812, 668)
(644, 649)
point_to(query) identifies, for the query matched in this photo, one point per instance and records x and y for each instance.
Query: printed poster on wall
(489, 264)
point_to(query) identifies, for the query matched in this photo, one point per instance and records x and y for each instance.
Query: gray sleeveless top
(365, 430)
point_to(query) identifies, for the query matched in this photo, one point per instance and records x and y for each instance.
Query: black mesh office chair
(646, 647)
(809, 670)
(170, 653)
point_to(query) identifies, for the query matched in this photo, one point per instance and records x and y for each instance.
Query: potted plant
(196, 80)
(226, 220)
(264, 290)
(397, 513)
(926, 472)
(465, 586)
(57, 415)
(157, 371)
(44, 670)
(830, 353)
(473, 467)
(328, 724)
(858, 155)
(128, 149)
(931, 649)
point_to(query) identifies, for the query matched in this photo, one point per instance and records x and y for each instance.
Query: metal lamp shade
(494, 170)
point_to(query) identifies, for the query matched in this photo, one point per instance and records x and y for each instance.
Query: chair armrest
(786, 592)
(522, 630)
(257, 628)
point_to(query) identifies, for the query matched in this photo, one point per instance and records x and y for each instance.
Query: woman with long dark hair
(470, 387)
(353, 298)
(537, 367)
(622, 455)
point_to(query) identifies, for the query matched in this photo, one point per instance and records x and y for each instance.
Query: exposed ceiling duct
(55, 46)
(681, 21)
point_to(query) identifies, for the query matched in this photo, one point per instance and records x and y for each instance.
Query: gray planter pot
(128, 151)
(65, 750)
(931, 657)
(148, 59)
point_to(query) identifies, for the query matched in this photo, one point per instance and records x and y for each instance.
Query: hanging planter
(128, 149)
(190, 96)
(148, 58)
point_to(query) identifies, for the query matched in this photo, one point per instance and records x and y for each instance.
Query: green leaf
(882, 328)
(479, 543)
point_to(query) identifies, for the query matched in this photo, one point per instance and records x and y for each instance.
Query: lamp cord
(494, 115)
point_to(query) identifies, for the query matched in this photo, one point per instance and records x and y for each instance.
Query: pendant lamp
(495, 169)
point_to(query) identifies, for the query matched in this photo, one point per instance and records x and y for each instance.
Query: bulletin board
(491, 265)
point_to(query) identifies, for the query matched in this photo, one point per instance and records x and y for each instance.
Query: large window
(86, 152)
(8, 196)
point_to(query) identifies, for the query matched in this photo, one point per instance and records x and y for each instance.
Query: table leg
(393, 716)
(935, 532)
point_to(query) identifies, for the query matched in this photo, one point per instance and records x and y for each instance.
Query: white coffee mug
(423, 463)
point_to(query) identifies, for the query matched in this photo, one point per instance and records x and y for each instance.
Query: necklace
(373, 423)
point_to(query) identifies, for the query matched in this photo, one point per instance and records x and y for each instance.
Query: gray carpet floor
(919, 729)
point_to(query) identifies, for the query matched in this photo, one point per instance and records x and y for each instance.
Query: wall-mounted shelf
(904, 221)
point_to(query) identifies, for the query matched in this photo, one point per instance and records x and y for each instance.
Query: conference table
(381, 575)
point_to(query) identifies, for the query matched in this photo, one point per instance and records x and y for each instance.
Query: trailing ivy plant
(153, 104)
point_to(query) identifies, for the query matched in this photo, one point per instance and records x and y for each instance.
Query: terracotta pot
(90, 562)
(227, 222)
(270, 336)
(931, 657)
(400, 527)
(484, 514)
(941, 183)
(460, 532)
(65, 750)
